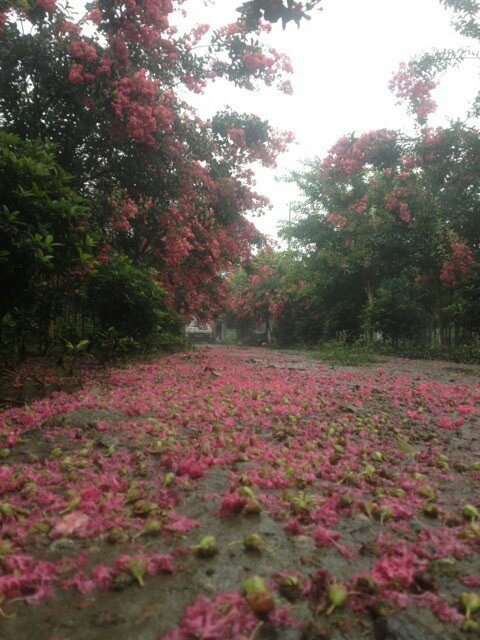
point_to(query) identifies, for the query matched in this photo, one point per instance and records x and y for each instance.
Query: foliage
(253, 11)
(44, 246)
(128, 300)
(465, 306)
(164, 189)
(461, 353)
(130, 311)
(397, 309)
(415, 81)
(259, 290)
(110, 345)
(344, 353)
(388, 232)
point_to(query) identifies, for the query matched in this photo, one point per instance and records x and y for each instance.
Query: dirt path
(361, 486)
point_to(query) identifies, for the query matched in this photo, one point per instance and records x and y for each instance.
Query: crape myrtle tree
(452, 170)
(259, 290)
(164, 189)
(415, 80)
(395, 221)
(388, 237)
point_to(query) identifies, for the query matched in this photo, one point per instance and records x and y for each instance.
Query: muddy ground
(196, 405)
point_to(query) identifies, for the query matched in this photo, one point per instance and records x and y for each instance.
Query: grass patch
(353, 355)
(460, 354)
(347, 355)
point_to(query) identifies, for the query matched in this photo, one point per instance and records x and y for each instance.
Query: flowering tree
(414, 82)
(382, 204)
(259, 290)
(165, 188)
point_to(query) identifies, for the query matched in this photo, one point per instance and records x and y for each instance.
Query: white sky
(343, 60)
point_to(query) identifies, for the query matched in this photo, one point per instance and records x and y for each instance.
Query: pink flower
(227, 616)
(232, 503)
(325, 537)
(158, 563)
(398, 570)
(449, 424)
(48, 5)
(181, 524)
(294, 528)
(471, 581)
(75, 75)
(191, 467)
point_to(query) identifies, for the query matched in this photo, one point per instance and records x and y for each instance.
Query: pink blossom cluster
(396, 202)
(409, 85)
(337, 221)
(124, 64)
(3, 21)
(137, 109)
(458, 265)
(48, 5)
(351, 155)
(124, 211)
(226, 616)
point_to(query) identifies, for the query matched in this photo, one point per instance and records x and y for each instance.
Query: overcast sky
(343, 60)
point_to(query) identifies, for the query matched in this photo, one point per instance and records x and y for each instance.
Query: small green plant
(74, 352)
(349, 355)
(76, 349)
(111, 346)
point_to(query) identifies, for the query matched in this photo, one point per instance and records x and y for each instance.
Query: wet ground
(363, 482)
(39, 377)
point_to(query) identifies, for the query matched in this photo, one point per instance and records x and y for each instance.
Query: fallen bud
(470, 603)
(152, 527)
(254, 542)
(207, 548)
(258, 596)
(337, 596)
(470, 512)
(290, 587)
(137, 567)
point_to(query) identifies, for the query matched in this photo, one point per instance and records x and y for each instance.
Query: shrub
(398, 310)
(44, 247)
(130, 309)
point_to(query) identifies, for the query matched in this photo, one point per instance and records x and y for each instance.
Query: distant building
(200, 332)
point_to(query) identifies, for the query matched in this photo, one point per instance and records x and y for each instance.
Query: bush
(397, 310)
(44, 246)
(308, 320)
(130, 310)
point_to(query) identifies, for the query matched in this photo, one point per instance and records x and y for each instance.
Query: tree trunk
(440, 323)
(51, 333)
(267, 326)
(370, 297)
